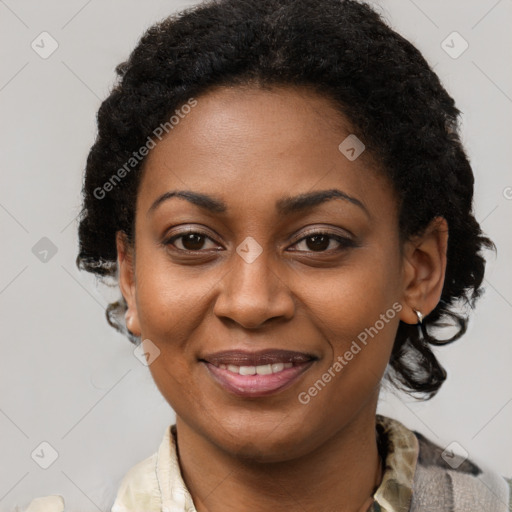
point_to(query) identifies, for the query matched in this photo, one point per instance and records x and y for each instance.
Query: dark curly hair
(343, 50)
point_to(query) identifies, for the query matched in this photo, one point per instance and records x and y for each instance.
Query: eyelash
(343, 241)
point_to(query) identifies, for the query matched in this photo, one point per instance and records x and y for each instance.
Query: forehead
(252, 147)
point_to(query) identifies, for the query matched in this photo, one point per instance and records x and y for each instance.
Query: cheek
(168, 308)
(357, 311)
(353, 296)
(169, 296)
(168, 315)
(359, 319)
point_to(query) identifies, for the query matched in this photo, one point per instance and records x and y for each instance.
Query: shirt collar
(399, 449)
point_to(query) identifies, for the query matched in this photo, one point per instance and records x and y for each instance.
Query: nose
(252, 293)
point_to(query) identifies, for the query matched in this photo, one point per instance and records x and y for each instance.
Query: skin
(250, 148)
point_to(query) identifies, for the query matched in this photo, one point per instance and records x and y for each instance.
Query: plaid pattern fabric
(418, 478)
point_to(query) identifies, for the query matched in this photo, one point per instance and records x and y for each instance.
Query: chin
(263, 443)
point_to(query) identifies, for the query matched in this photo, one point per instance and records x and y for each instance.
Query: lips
(263, 357)
(257, 374)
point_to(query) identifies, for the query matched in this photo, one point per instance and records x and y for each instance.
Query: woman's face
(309, 291)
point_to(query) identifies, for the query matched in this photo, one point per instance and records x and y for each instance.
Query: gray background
(68, 379)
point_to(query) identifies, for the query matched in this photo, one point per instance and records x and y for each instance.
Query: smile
(264, 369)
(264, 373)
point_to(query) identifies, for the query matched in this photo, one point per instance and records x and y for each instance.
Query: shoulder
(136, 492)
(445, 480)
(155, 484)
(139, 490)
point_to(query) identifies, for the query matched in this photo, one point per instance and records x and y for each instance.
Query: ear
(126, 274)
(424, 269)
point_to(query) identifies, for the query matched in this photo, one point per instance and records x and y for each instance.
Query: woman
(280, 189)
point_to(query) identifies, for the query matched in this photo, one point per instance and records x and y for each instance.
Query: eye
(320, 241)
(191, 241)
(315, 241)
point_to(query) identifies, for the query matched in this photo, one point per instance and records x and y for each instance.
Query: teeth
(264, 369)
(247, 370)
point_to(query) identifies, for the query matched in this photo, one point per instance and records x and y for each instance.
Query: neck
(341, 474)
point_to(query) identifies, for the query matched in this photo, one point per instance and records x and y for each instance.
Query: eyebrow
(284, 206)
